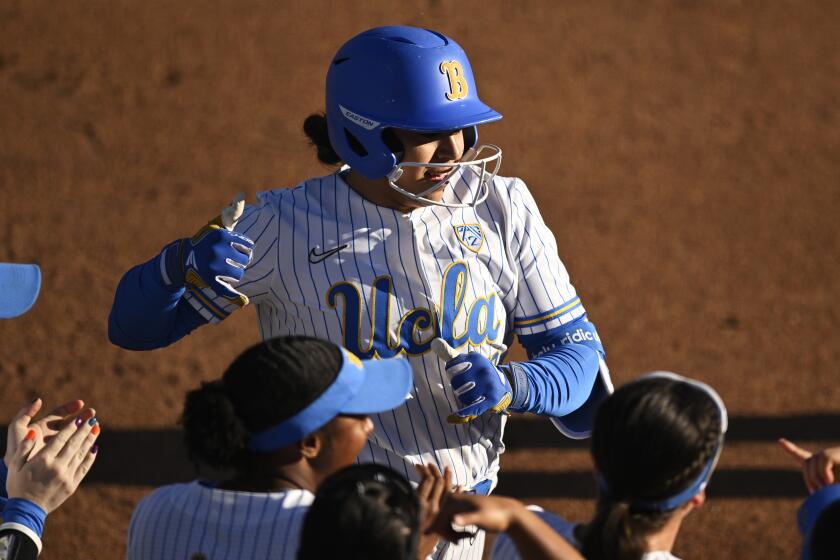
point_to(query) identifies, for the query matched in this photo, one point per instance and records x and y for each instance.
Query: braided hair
(268, 383)
(650, 441)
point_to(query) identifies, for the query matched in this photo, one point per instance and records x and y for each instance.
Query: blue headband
(702, 479)
(347, 383)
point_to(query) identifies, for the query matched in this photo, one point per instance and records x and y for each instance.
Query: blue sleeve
(580, 331)
(561, 372)
(148, 314)
(24, 513)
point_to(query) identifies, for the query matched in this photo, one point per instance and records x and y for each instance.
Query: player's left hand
(479, 385)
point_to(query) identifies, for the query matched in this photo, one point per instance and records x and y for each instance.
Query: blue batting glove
(214, 258)
(479, 385)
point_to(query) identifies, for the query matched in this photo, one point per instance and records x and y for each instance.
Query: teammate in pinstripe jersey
(414, 247)
(286, 414)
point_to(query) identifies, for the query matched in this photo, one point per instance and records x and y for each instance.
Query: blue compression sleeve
(556, 383)
(147, 313)
(562, 369)
(25, 513)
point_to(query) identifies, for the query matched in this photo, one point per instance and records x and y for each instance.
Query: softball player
(414, 247)
(286, 414)
(644, 493)
(372, 512)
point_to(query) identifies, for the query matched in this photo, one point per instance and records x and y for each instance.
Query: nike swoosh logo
(315, 257)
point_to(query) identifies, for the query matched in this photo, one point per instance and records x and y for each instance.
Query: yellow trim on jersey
(550, 315)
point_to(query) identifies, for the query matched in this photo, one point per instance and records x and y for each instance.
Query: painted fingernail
(79, 422)
(30, 435)
(95, 430)
(92, 421)
(94, 449)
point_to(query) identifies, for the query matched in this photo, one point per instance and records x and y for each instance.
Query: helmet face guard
(405, 78)
(470, 160)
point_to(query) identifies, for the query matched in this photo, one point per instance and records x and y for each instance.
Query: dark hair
(651, 439)
(266, 384)
(825, 541)
(362, 512)
(315, 128)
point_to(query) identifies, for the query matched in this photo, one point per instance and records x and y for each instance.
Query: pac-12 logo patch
(458, 87)
(471, 236)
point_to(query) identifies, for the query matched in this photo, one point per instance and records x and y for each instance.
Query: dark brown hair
(651, 440)
(315, 128)
(366, 512)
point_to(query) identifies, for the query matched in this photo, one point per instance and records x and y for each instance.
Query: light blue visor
(19, 287)
(361, 387)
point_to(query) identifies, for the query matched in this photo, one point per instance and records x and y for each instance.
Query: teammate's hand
(817, 468)
(45, 427)
(478, 384)
(432, 490)
(491, 513)
(49, 476)
(214, 258)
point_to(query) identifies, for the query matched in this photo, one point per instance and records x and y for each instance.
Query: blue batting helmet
(398, 77)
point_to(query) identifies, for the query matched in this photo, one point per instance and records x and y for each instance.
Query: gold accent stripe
(550, 315)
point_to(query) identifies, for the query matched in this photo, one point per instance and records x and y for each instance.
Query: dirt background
(684, 153)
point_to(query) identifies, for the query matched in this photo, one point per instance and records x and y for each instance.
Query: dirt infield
(685, 154)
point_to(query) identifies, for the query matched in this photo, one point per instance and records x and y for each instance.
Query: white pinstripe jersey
(196, 522)
(331, 264)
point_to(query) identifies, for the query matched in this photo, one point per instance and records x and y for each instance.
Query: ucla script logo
(420, 325)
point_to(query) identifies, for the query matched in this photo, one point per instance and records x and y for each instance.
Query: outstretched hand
(46, 427)
(817, 468)
(50, 475)
(533, 537)
(433, 488)
(491, 513)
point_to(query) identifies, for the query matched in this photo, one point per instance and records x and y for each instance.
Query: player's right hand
(214, 258)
